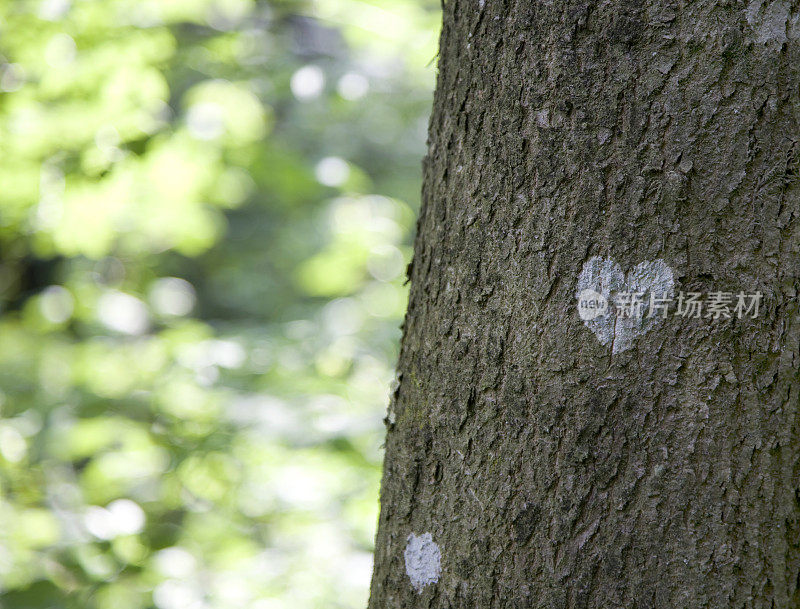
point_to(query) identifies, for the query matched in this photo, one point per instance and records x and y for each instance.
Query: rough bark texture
(549, 471)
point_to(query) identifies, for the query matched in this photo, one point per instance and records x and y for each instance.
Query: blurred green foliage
(205, 217)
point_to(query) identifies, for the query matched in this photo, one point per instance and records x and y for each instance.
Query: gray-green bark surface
(550, 470)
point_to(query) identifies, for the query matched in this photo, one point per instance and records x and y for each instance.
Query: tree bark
(531, 459)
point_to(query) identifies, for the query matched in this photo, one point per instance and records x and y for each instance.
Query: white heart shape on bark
(605, 277)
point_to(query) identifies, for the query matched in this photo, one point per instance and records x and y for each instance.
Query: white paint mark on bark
(423, 561)
(605, 277)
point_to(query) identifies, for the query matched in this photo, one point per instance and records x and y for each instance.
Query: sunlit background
(206, 209)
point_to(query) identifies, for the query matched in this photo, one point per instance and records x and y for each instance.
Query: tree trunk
(535, 459)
